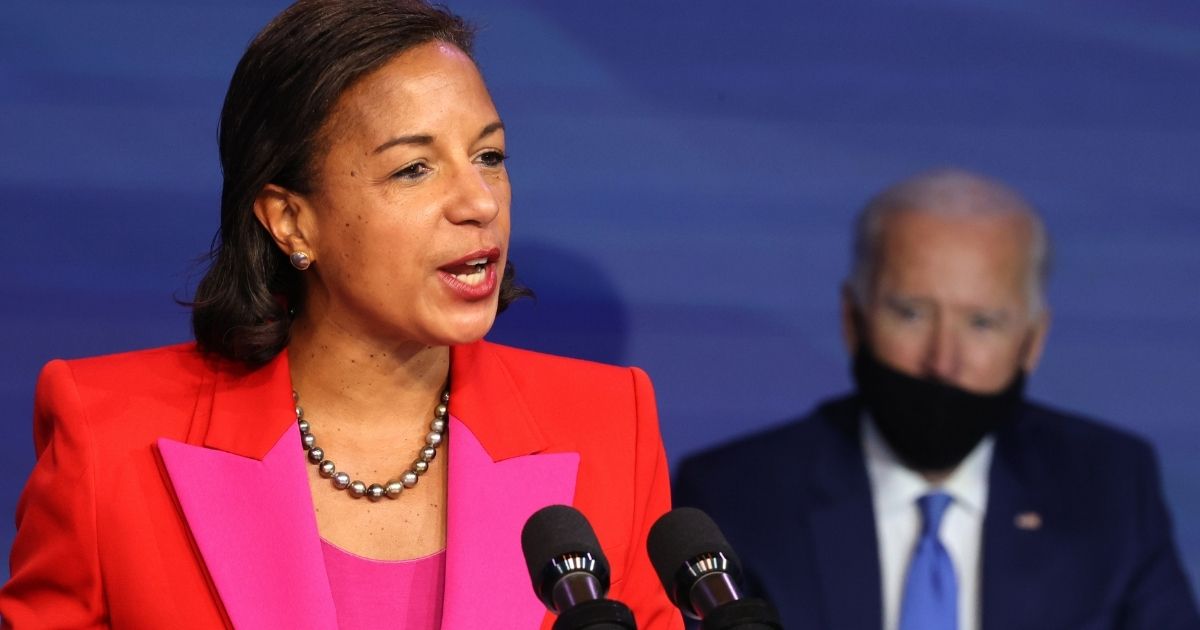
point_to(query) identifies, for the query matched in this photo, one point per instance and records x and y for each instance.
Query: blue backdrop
(684, 178)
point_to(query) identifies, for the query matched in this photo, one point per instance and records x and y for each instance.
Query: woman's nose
(472, 198)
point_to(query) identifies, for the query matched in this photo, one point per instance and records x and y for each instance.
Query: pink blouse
(375, 594)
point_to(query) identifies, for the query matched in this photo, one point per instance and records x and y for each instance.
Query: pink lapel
(496, 482)
(246, 500)
(253, 523)
(487, 584)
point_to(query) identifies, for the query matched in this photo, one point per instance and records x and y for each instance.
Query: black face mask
(931, 426)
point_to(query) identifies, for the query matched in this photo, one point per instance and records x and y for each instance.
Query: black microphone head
(683, 545)
(558, 540)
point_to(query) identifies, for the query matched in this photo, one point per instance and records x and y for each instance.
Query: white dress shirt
(894, 493)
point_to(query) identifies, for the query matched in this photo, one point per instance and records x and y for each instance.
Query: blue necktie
(931, 591)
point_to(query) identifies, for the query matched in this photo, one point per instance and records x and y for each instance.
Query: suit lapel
(487, 584)
(245, 497)
(1019, 536)
(843, 528)
(498, 478)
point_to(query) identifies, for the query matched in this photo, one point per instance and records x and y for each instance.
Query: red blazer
(170, 491)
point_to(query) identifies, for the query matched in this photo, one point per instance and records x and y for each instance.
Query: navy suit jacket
(795, 503)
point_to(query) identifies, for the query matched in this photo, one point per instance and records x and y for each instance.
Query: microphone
(700, 573)
(569, 571)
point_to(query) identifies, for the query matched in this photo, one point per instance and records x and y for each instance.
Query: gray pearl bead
(420, 467)
(409, 479)
(433, 438)
(295, 396)
(327, 469)
(375, 492)
(309, 440)
(394, 488)
(446, 396)
(315, 455)
(440, 411)
(341, 481)
(299, 412)
(428, 453)
(303, 426)
(438, 425)
(358, 489)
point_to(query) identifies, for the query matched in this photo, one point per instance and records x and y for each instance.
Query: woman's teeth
(475, 276)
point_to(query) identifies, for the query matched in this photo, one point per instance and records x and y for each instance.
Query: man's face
(950, 300)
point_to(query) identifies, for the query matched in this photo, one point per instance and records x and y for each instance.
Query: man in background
(936, 497)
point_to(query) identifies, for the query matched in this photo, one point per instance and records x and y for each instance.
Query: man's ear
(851, 319)
(282, 213)
(1037, 341)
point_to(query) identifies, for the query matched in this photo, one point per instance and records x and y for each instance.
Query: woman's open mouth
(472, 272)
(472, 277)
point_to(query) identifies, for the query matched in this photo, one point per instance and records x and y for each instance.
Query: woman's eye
(492, 158)
(412, 171)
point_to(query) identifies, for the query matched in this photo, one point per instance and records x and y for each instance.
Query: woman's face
(408, 221)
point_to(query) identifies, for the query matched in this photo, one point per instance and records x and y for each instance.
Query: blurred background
(684, 175)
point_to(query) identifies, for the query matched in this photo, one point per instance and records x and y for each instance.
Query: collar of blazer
(241, 485)
(249, 409)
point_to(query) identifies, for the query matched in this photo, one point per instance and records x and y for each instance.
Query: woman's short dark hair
(282, 92)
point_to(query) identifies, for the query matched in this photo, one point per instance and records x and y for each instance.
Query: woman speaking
(339, 447)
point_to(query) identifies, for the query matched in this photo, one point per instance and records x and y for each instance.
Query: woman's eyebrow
(419, 139)
(490, 129)
(426, 139)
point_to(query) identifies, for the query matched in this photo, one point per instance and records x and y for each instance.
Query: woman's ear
(281, 212)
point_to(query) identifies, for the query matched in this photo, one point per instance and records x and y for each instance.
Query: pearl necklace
(375, 491)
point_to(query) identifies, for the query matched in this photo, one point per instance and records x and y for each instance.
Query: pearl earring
(300, 260)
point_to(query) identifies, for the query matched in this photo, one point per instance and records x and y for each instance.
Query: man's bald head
(950, 193)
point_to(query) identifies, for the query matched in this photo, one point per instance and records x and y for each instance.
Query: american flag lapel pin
(1028, 521)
